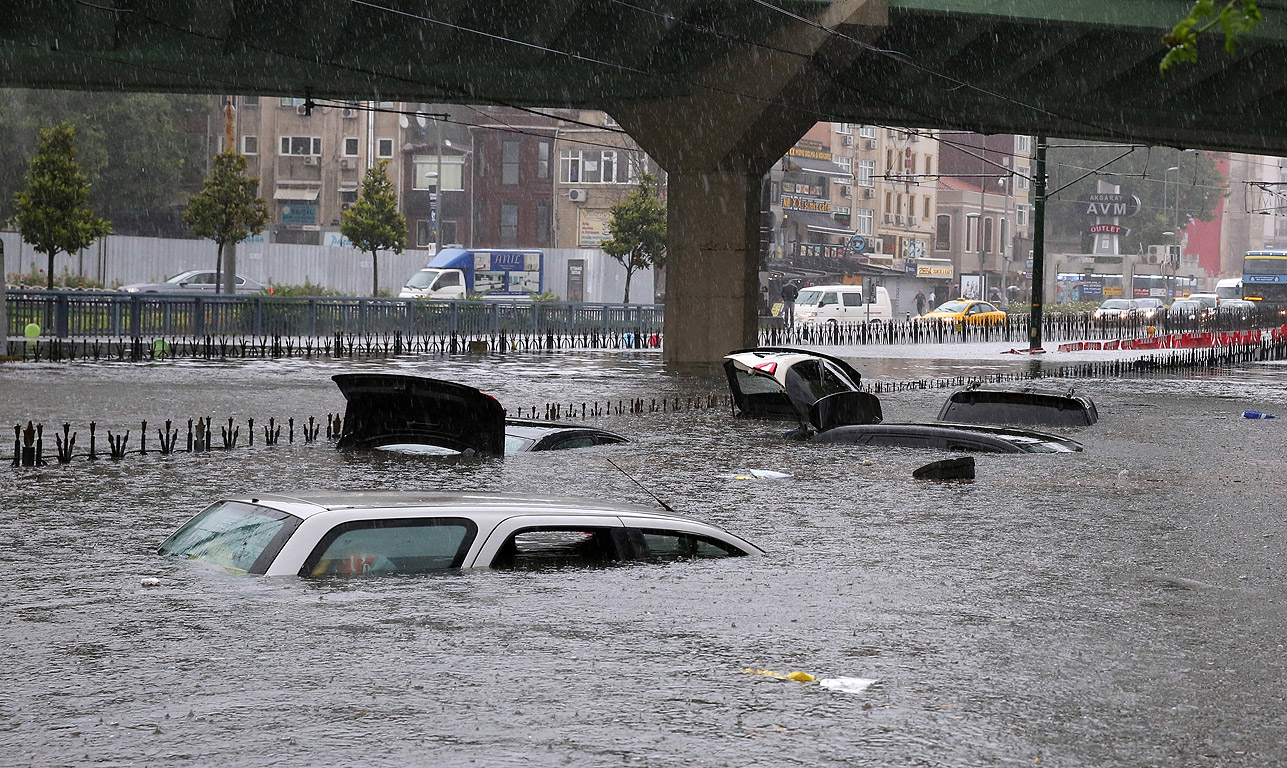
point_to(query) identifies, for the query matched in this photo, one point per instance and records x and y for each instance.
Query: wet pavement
(1117, 607)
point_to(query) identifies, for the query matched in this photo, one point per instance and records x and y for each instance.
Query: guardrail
(108, 314)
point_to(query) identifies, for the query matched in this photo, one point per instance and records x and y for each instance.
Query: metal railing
(68, 314)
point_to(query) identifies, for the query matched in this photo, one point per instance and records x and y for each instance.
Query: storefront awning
(814, 221)
(297, 193)
(814, 165)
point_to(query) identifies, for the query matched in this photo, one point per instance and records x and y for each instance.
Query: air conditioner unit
(869, 194)
(847, 141)
(301, 109)
(891, 133)
(871, 143)
(345, 206)
(346, 163)
(1152, 258)
(889, 218)
(348, 113)
(577, 195)
(900, 221)
(846, 191)
(310, 159)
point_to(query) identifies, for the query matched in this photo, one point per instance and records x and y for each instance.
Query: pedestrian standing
(920, 303)
(931, 301)
(789, 294)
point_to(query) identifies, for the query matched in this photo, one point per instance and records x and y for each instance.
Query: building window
(543, 223)
(925, 208)
(508, 225)
(448, 233)
(929, 165)
(972, 232)
(250, 101)
(509, 163)
(1001, 241)
(889, 205)
(1022, 145)
(287, 101)
(384, 148)
(1022, 218)
(864, 221)
(866, 169)
(943, 233)
(1025, 176)
(543, 160)
(584, 166)
(844, 161)
(388, 105)
(867, 131)
(301, 145)
(480, 162)
(844, 128)
(348, 196)
(351, 145)
(424, 232)
(987, 235)
(249, 145)
(453, 172)
(889, 161)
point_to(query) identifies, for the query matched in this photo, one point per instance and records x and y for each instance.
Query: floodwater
(1118, 607)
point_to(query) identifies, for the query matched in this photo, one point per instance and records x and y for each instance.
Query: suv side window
(827, 298)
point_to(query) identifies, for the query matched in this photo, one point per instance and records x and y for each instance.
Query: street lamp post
(1175, 226)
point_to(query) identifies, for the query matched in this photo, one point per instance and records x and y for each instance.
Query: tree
(1236, 18)
(228, 209)
(51, 211)
(1198, 185)
(638, 230)
(373, 223)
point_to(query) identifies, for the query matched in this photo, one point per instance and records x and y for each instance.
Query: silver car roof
(309, 503)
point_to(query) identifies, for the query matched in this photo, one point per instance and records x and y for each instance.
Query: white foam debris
(847, 684)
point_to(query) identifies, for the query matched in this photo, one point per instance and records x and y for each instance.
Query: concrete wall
(118, 260)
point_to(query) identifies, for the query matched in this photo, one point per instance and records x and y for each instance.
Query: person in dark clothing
(789, 295)
(920, 303)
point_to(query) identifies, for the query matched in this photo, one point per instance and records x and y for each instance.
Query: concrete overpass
(715, 90)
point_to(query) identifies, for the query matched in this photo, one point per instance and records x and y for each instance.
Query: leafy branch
(1236, 18)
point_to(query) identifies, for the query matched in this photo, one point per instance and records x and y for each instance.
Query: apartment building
(598, 166)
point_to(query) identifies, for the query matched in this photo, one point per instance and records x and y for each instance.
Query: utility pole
(4, 314)
(1038, 245)
(228, 280)
(437, 196)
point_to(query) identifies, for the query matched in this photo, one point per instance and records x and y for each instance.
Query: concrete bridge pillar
(716, 143)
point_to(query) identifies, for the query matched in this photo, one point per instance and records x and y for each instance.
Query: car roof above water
(310, 503)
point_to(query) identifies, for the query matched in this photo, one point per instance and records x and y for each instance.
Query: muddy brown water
(1118, 607)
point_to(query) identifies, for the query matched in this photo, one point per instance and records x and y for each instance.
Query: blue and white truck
(455, 272)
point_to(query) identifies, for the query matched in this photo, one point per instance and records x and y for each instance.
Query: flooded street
(1118, 607)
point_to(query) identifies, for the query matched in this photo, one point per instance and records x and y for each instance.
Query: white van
(821, 304)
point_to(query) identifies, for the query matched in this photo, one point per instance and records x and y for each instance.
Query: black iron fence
(108, 314)
(1055, 327)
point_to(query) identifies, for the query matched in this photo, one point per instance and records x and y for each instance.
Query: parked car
(823, 304)
(1114, 312)
(1149, 310)
(194, 281)
(966, 312)
(420, 415)
(1235, 313)
(399, 532)
(1028, 404)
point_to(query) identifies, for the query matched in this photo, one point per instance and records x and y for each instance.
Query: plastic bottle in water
(1256, 415)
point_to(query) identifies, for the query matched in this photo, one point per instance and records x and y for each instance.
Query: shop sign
(814, 150)
(1107, 229)
(934, 271)
(1109, 204)
(299, 213)
(793, 203)
(592, 227)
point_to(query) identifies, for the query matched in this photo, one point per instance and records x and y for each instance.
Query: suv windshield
(238, 537)
(422, 279)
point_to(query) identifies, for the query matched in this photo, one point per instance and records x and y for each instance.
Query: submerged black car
(1028, 404)
(821, 394)
(415, 414)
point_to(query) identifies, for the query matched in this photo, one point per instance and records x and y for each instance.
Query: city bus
(1264, 280)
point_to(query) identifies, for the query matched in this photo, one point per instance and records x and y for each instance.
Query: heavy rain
(655, 308)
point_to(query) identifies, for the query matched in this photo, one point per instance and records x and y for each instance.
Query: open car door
(390, 409)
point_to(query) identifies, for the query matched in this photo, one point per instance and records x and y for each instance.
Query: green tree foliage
(1235, 17)
(373, 223)
(143, 153)
(52, 213)
(1198, 184)
(228, 209)
(638, 230)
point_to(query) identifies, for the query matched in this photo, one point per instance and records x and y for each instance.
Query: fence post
(60, 315)
(136, 315)
(362, 316)
(312, 317)
(259, 316)
(198, 317)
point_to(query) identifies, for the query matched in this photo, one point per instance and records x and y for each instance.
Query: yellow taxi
(966, 312)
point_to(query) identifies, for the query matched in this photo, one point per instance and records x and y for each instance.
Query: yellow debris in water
(800, 677)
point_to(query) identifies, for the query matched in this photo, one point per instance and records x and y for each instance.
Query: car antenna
(654, 496)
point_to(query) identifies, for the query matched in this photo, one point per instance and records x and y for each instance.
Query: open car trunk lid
(786, 383)
(388, 409)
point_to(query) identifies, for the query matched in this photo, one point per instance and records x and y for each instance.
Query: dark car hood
(384, 409)
(1027, 405)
